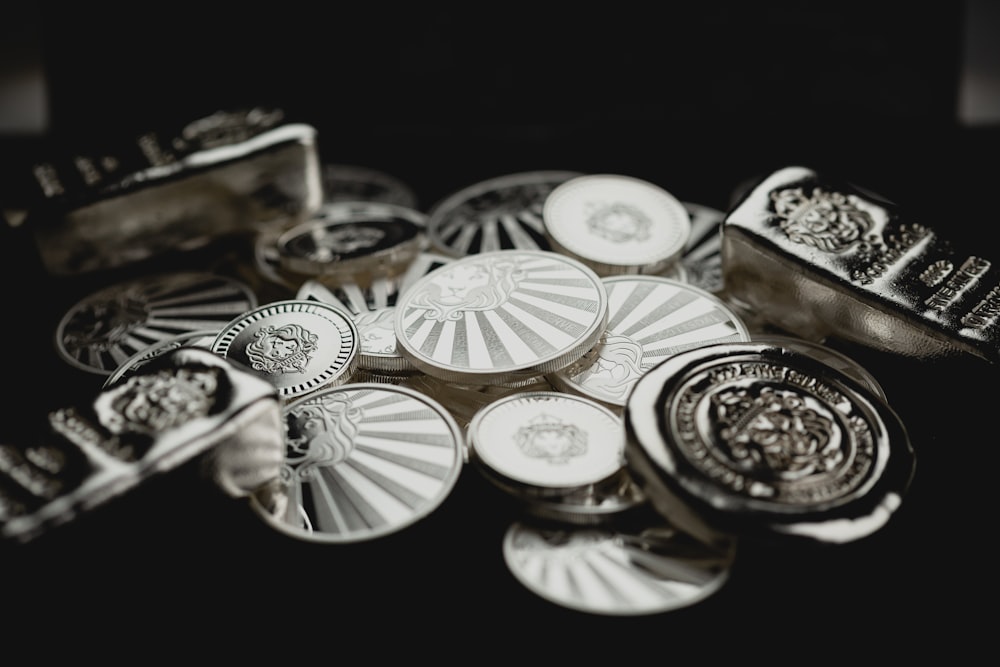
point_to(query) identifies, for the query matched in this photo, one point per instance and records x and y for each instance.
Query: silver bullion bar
(227, 173)
(184, 404)
(819, 257)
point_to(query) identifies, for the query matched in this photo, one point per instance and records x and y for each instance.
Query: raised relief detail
(546, 437)
(480, 286)
(284, 349)
(936, 272)
(826, 220)
(618, 222)
(319, 435)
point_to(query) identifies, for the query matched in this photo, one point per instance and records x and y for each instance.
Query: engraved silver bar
(819, 257)
(227, 173)
(185, 404)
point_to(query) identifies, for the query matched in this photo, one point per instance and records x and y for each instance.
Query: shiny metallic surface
(614, 572)
(183, 404)
(761, 439)
(702, 257)
(299, 346)
(351, 182)
(202, 338)
(500, 213)
(363, 461)
(501, 317)
(101, 331)
(649, 319)
(616, 224)
(819, 257)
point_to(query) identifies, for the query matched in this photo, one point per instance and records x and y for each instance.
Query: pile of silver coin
(600, 352)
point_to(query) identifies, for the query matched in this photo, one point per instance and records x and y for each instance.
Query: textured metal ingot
(819, 257)
(183, 404)
(225, 174)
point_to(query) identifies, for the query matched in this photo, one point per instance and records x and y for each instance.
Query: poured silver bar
(227, 173)
(818, 257)
(183, 404)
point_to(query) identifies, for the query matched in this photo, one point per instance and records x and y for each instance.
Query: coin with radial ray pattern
(649, 319)
(363, 460)
(104, 329)
(501, 317)
(616, 572)
(201, 338)
(496, 214)
(299, 346)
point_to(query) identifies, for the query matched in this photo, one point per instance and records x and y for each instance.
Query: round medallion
(299, 346)
(501, 317)
(616, 224)
(363, 460)
(615, 572)
(503, 213)
(649, 319)
(102, 331)
(202, 338)
(761, 438)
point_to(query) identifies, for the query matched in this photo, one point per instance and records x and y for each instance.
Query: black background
(699, 98)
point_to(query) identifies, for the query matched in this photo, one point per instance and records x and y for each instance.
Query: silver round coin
(500, 213)
(351, 182)
(614, 572)
(299, 346)
(616, 224)
(758, 438)
(201, 338)
(702, 256)
(103, 330)
(546, 443)
(363, 460)
(649, 319)
(501, 317)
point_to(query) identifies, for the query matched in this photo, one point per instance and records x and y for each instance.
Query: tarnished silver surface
(616, 224)
(538, 444)
(755, 438)
(502, 213)
(501, 317)
(363, 461)
(185, 403)
(352, 242)
(299, 346)
(819, 257)
(225, 174)
(351, 182)
(649, 319)
(616, 572)
(103, 330)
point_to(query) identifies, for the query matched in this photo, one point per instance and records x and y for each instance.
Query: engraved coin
(502, 213)
(616, 224)
(827, 355)
(616, 572)
(345, 239)
(201, 338)
(649, 319)
(299, 346)
(760, 438)
(702, 256)
(500, 317)
(363, 460)
(546, 443)
(104, 329)
(351, 182)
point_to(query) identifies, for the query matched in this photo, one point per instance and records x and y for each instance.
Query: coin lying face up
(762, 439)
(299, 346)
(616, 224)
(501, 317)
(363, 460)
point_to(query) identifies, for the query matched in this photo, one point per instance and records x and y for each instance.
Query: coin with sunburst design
(107, 327)
(363, 460)
(501, 317)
